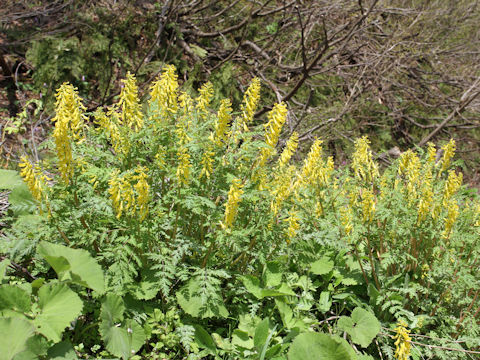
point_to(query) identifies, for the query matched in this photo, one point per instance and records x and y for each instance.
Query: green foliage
(170, 239)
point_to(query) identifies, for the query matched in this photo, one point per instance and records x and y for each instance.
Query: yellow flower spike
(276, 118)
(224, 117)
(250, 102)
(283, 186)
(207, 162)
(362, 163)
(290, 148)
(129, 103)
(185, 102)
(231, 208)
(346, 218)
(432, 153)
(127, 198)
(448, 153)
(452, 215)
(142, 189)
(110, 126)
(425, 205)
(409, 167)
(402, 341)
(293, 225)
(452, 185)
(203, 101)
(312, 162)
(184, 165)
(35, 179)
(368, 205)
(69, 123)
(163, 93)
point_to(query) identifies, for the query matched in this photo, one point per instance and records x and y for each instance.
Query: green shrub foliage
(166, 229)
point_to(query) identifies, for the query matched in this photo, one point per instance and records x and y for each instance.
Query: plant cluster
(167, 230)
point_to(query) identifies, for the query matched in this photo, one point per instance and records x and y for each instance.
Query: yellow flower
(142, 189)
(402, 341)
(206, 94)
(432, 154)
(283, 186)
(110, 125)
(363, 164)
(224, 117)
(131, 109)
(425, 205)
(293, 225)
(289, 150)
(69, 122)
(276, 118)
(452, 185)
(233, 201)
(207, 162)
(128, 198)
(250, 102)
(163, 93)
(184, 165)
(311, 163)
(448, 153)
(368, 205)
(34, 177)
(409, 167)
(452, 215)
(185, 102)
(346, 217)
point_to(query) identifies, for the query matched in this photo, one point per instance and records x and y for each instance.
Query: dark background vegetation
(405, 72)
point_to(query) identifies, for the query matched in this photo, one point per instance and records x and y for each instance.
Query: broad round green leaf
(362, 326)
(14, 333)
(58, 307)
(320, 346)
(76, 265)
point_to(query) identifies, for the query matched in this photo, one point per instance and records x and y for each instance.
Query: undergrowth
(167, 230)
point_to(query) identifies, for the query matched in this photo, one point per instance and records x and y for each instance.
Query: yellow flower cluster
(409, 167)
(452, 185)
(368, 205)
(276, 118)
(69, 122)
(185, 102)
(426, 203)
(293, 225)
(362, 161)
(231, 208)
(283, 186)
(109, 124)
(315, 170)
(127, 197)
(163, 93)
(448, 153)
(184, 165)
(129, 103)
(289, 150)
(35, 179)
(207, 161)
(451, 217)
(432, 153)
(402, 341)
(250, 102)
(346, 217)
(224, 117)
(206, 95)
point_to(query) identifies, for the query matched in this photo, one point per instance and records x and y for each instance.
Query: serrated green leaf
(241, 339)
(111, 311)
(322, 266)
(124, 341)
(192, 303)
(324, 302)
(320, 346)
(13, 298)
(273, 274)
(362, 326)
(58, 307)
(3, 268)
(14, 334)
(76, 265)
